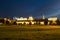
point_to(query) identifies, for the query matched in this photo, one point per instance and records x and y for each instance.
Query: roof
(53, 17)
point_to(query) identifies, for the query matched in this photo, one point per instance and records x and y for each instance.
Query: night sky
(25, 8)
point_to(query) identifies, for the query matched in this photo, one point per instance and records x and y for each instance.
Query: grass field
(29, 32)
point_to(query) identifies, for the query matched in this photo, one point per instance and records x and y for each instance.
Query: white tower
(43, 17)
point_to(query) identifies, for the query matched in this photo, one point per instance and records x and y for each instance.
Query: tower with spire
(43, 17)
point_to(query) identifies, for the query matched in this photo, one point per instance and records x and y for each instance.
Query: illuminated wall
(52, 19)
(21, 18)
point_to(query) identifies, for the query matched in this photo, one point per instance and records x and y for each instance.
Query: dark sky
(35, 8)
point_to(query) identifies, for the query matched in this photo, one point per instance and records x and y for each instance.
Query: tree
(15, 23)
(58, 22)
(45, 21)
(1, 20)
(7, 22)
(50, 23)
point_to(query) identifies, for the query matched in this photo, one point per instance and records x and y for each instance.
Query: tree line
(37, 20)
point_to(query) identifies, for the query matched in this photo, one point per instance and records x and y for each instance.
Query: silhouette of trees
(14, 23)
(50, 23)
(1, 20)
(7, 22)
(30, 23)
(46, 21)
(58, 22)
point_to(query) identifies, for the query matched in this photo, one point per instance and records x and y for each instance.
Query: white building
(42, 22)
(53, 19)
(21, 18)
(30, 18)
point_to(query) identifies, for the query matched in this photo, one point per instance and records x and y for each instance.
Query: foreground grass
(30, 32)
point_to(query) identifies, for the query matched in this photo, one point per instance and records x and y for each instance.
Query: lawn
(29, 32)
